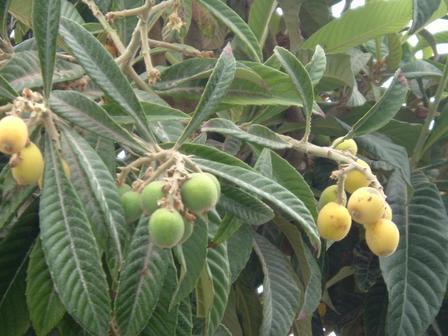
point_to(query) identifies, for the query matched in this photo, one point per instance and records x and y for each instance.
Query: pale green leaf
(71, 250)
(6, 90)
(317, 66)
(360, 25)
(46, 15)
(140, 282)
(259, 18)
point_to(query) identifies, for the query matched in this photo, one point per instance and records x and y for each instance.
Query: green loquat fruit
(131, 206)
(199, 193)
(151, 195)
(166, 227)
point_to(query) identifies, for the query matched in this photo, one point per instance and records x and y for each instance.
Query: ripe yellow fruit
(13, 135)
(348, 145)
(382, 237)
(200, 192)
(28, 166)
(334, 221)
(356, 179)
(387, 211)
(330, 194)
(366, 205)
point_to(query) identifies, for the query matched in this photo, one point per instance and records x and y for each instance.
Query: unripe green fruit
(216, 181)
(330, 194)
(199, 193)
(151, 195)
(189, 226)
(131, 206)
(348, 145)
(166, 227)
(124, 188)
(322, 140)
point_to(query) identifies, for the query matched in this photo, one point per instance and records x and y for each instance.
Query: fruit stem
(159, 171)
(335, 155)
(341, 189)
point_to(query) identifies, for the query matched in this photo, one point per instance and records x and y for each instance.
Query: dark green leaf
(228, 226)
(422, 12)
(375, 311)
(23, 71)
(269, 190)
(216, 88)
(384, 110)
(440, 130)
(6, 90)
(239, 248)
(70, 249)
(96, 186)
(194, 255)
(232, 20)
(4, 5)
(45, 307)
(85, 113)
(244, 206)
(416, 274)
(101, 67)
(419, 69)
(140, 282)
(281, 294)
(300, 78)
(10, 205)
(46, 15)
(184, 318)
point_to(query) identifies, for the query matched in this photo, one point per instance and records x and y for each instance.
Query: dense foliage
(163, 162)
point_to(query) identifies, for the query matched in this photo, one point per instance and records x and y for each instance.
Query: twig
(183, 48)
(129, 12)
(341, 198)
(152, 73)
(105, 24)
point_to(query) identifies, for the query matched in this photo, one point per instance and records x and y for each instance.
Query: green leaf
(69, 11)
(239, 248)
(281, 171)
(103, 70)
(300, 78)
(14, 250)
(439, 131)
(11, 205)
(422, 13)
(46, 15)
(419, 69)
(228, 226)
(194, 255)
(140, 282)
(259, 17)
(366, 267)
(291, 10)
(416, 274)
(23, 71)
(204, 292)
(96, 186)
(85, 113)
(14, 319)
(244, 206)
(218, 264)
(395, 54)
(308, 268)
(184, 319)
(362, 24)
(384, 110)
(4, 6)
(70, 249)
(216, 88)
(156, 112)
(163, 321)
(258, 134)
(232, 20)
(375, 311)
(269, 190)
(44, 306)
(281, 294)
(6, 90)
(317, 66)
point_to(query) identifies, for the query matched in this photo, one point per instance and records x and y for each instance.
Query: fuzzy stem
(341, 199)
(129, 12)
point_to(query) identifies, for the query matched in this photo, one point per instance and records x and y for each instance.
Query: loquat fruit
(382, 237)
(366, 205)
(333, 221)
(13, 135)
(28, 165)
(166, 227)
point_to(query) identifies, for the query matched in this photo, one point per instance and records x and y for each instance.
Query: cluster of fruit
(167, 225)
(366, 206)
(27, 163)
